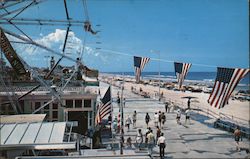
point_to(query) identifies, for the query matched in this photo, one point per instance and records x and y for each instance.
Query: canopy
(35, 135)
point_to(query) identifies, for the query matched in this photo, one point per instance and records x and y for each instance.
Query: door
(82, 118)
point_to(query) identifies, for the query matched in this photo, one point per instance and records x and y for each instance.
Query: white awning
(41, 135)
(22, 118)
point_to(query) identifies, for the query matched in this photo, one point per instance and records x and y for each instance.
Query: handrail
(234, 117)
(215, 115)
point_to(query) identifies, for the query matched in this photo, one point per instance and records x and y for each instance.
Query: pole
(122, 119)
(112, 111)
(159, 75)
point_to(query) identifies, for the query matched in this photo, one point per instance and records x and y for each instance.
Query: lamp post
(122, 119)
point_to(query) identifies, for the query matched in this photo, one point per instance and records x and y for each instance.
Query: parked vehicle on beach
(207, 90)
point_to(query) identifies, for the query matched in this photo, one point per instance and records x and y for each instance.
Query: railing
(234, 118)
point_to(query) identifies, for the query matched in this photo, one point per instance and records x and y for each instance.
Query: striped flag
(225, 83)
(181, 70)
(105, 108)
(139, 64)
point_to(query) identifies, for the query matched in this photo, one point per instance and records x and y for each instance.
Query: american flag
(225, 83)
(105, 108)
(139, 64)
(181, 70)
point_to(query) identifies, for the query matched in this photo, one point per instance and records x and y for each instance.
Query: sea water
(207, 77)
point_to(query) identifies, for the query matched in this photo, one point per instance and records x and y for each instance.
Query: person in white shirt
(139, 139)
(151, 142)
(161, 142)
(156, 119)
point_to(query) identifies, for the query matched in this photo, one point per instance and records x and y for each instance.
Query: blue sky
(207, 32)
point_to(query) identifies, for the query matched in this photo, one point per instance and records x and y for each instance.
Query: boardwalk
(195, 140)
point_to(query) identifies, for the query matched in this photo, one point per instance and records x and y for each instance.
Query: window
(87, 103)
(69, 103)
(54, 106)
(78, 103)
(55, 114)
(47, 106)
(37, 105)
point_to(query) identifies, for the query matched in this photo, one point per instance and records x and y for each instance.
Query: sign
(11, 55)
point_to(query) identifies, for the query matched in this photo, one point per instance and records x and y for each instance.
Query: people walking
(124, 102)
(110, 121)
(156, 119)
(151, 142)
(134, 119)
(187, 113)
(178, 117)
(118, 100)
(163, 119)
(147, 119)
(158, 132)
(128, 122)
(139, 139)
(161, 142)
(147, 132)
(115, 127)
(129, 142)
(159, 118)
(237, 137)
(166, 107)
(188, 103)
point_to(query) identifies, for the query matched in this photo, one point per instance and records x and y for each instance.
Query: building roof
(35, 135)
(22, 118)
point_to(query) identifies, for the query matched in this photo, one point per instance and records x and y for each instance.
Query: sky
(206, 33)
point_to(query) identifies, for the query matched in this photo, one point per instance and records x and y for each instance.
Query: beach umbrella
(189, 97)
(189, 100)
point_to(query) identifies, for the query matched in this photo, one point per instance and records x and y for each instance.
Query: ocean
(192, 76)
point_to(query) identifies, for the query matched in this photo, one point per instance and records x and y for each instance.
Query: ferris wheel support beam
(29, 21)
(50, 72)
(19, 9)
(66, 9)
(23, 9)
(3, 6)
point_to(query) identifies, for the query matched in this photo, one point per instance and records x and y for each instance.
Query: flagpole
(112, 112)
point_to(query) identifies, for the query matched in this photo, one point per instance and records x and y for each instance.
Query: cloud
(55, 41)
(52, 40)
